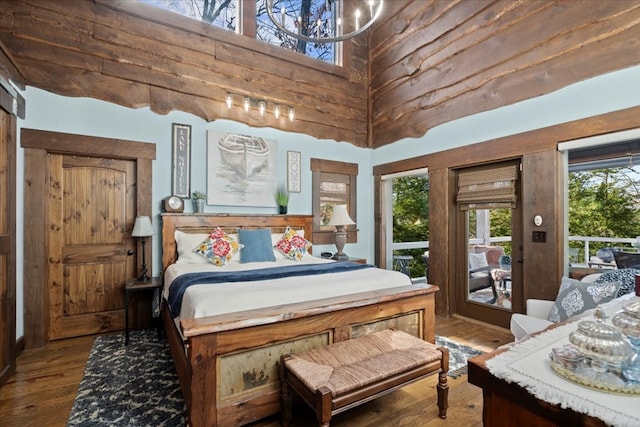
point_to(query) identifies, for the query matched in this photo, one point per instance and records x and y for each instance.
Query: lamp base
(340, 256)
(144, 277)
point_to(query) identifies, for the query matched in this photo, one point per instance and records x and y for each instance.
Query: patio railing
(577, 255)
(584, 254)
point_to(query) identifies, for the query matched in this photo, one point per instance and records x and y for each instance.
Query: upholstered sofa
(539, 312)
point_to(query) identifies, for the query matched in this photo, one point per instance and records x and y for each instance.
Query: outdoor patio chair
(626, 259)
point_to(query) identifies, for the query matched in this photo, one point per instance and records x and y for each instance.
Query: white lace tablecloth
(527, 364)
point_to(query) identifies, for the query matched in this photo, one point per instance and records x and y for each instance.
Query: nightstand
(134, 285)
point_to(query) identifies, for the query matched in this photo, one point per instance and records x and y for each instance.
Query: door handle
(130, 252)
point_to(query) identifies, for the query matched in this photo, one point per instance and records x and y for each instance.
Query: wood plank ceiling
(430, 62)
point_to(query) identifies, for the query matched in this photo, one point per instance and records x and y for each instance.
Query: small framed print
(293, 172)
(181, 161)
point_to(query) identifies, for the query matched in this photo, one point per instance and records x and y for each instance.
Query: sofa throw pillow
(576, 297)
(256, 245)
(626, 277)
(292, 245)
(478, 260)
(218, 247)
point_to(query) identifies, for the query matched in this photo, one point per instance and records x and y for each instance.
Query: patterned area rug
(136, 385)
(458, 355)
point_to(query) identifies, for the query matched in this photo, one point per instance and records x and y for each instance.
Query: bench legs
(443, 394)
(323, 406)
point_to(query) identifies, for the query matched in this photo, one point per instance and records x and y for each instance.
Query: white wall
(47, 111)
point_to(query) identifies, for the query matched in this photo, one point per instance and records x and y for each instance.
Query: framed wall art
(293, 171)
(241, 170)
(181, 160)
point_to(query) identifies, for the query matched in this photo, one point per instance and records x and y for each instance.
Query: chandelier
(324, 25)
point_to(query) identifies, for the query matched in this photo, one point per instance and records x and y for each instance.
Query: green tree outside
(603, 203)
(411, 218)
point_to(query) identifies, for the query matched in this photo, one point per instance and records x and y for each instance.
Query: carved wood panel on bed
(227, 364)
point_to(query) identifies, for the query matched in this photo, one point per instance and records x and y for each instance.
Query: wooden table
(508, 404)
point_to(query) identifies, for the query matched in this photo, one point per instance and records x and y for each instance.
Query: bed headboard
(203, 223)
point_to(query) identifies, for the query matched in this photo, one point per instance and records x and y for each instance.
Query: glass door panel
(489, 253)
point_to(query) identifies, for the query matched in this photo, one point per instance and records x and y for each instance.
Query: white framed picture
(241, 170)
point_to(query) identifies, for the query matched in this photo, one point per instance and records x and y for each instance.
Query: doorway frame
(12, 106)
(37, 145)
(459, 290)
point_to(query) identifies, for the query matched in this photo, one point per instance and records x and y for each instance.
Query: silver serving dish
(600, 342)
(628, 320)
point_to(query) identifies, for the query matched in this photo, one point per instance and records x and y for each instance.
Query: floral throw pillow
(218, 247)
(576, 297)
(292, 245)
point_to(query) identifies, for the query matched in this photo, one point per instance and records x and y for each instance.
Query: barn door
(91, 210)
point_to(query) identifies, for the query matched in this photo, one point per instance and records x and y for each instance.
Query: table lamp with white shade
(143, 229)
(340, 218)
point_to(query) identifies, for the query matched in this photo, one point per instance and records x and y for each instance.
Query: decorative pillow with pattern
(218, 247)
(576, 297)
(293, 245)
(626, 277)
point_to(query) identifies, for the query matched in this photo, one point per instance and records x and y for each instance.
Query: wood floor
(44, 387)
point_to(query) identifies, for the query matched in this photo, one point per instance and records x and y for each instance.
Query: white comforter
(209, 300)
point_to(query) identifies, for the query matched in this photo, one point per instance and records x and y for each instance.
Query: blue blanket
(181, 283)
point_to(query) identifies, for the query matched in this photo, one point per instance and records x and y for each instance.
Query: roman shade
(493, 188)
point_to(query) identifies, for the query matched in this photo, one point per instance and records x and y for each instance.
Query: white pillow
(186, 243)
(478, 260)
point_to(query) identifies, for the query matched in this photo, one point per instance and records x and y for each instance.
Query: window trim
(319, 166)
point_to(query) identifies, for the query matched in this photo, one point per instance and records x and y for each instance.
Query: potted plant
(198, 201)
(282, 198)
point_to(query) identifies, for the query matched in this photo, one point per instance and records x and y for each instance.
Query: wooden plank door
(91, 211)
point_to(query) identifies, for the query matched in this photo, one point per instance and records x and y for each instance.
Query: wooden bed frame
(228, 364)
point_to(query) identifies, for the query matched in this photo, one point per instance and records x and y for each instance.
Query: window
(222, 14)
(602, 196)
(318, 16)
(334, 183)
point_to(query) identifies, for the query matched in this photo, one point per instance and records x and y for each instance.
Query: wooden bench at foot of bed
(340, 376)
